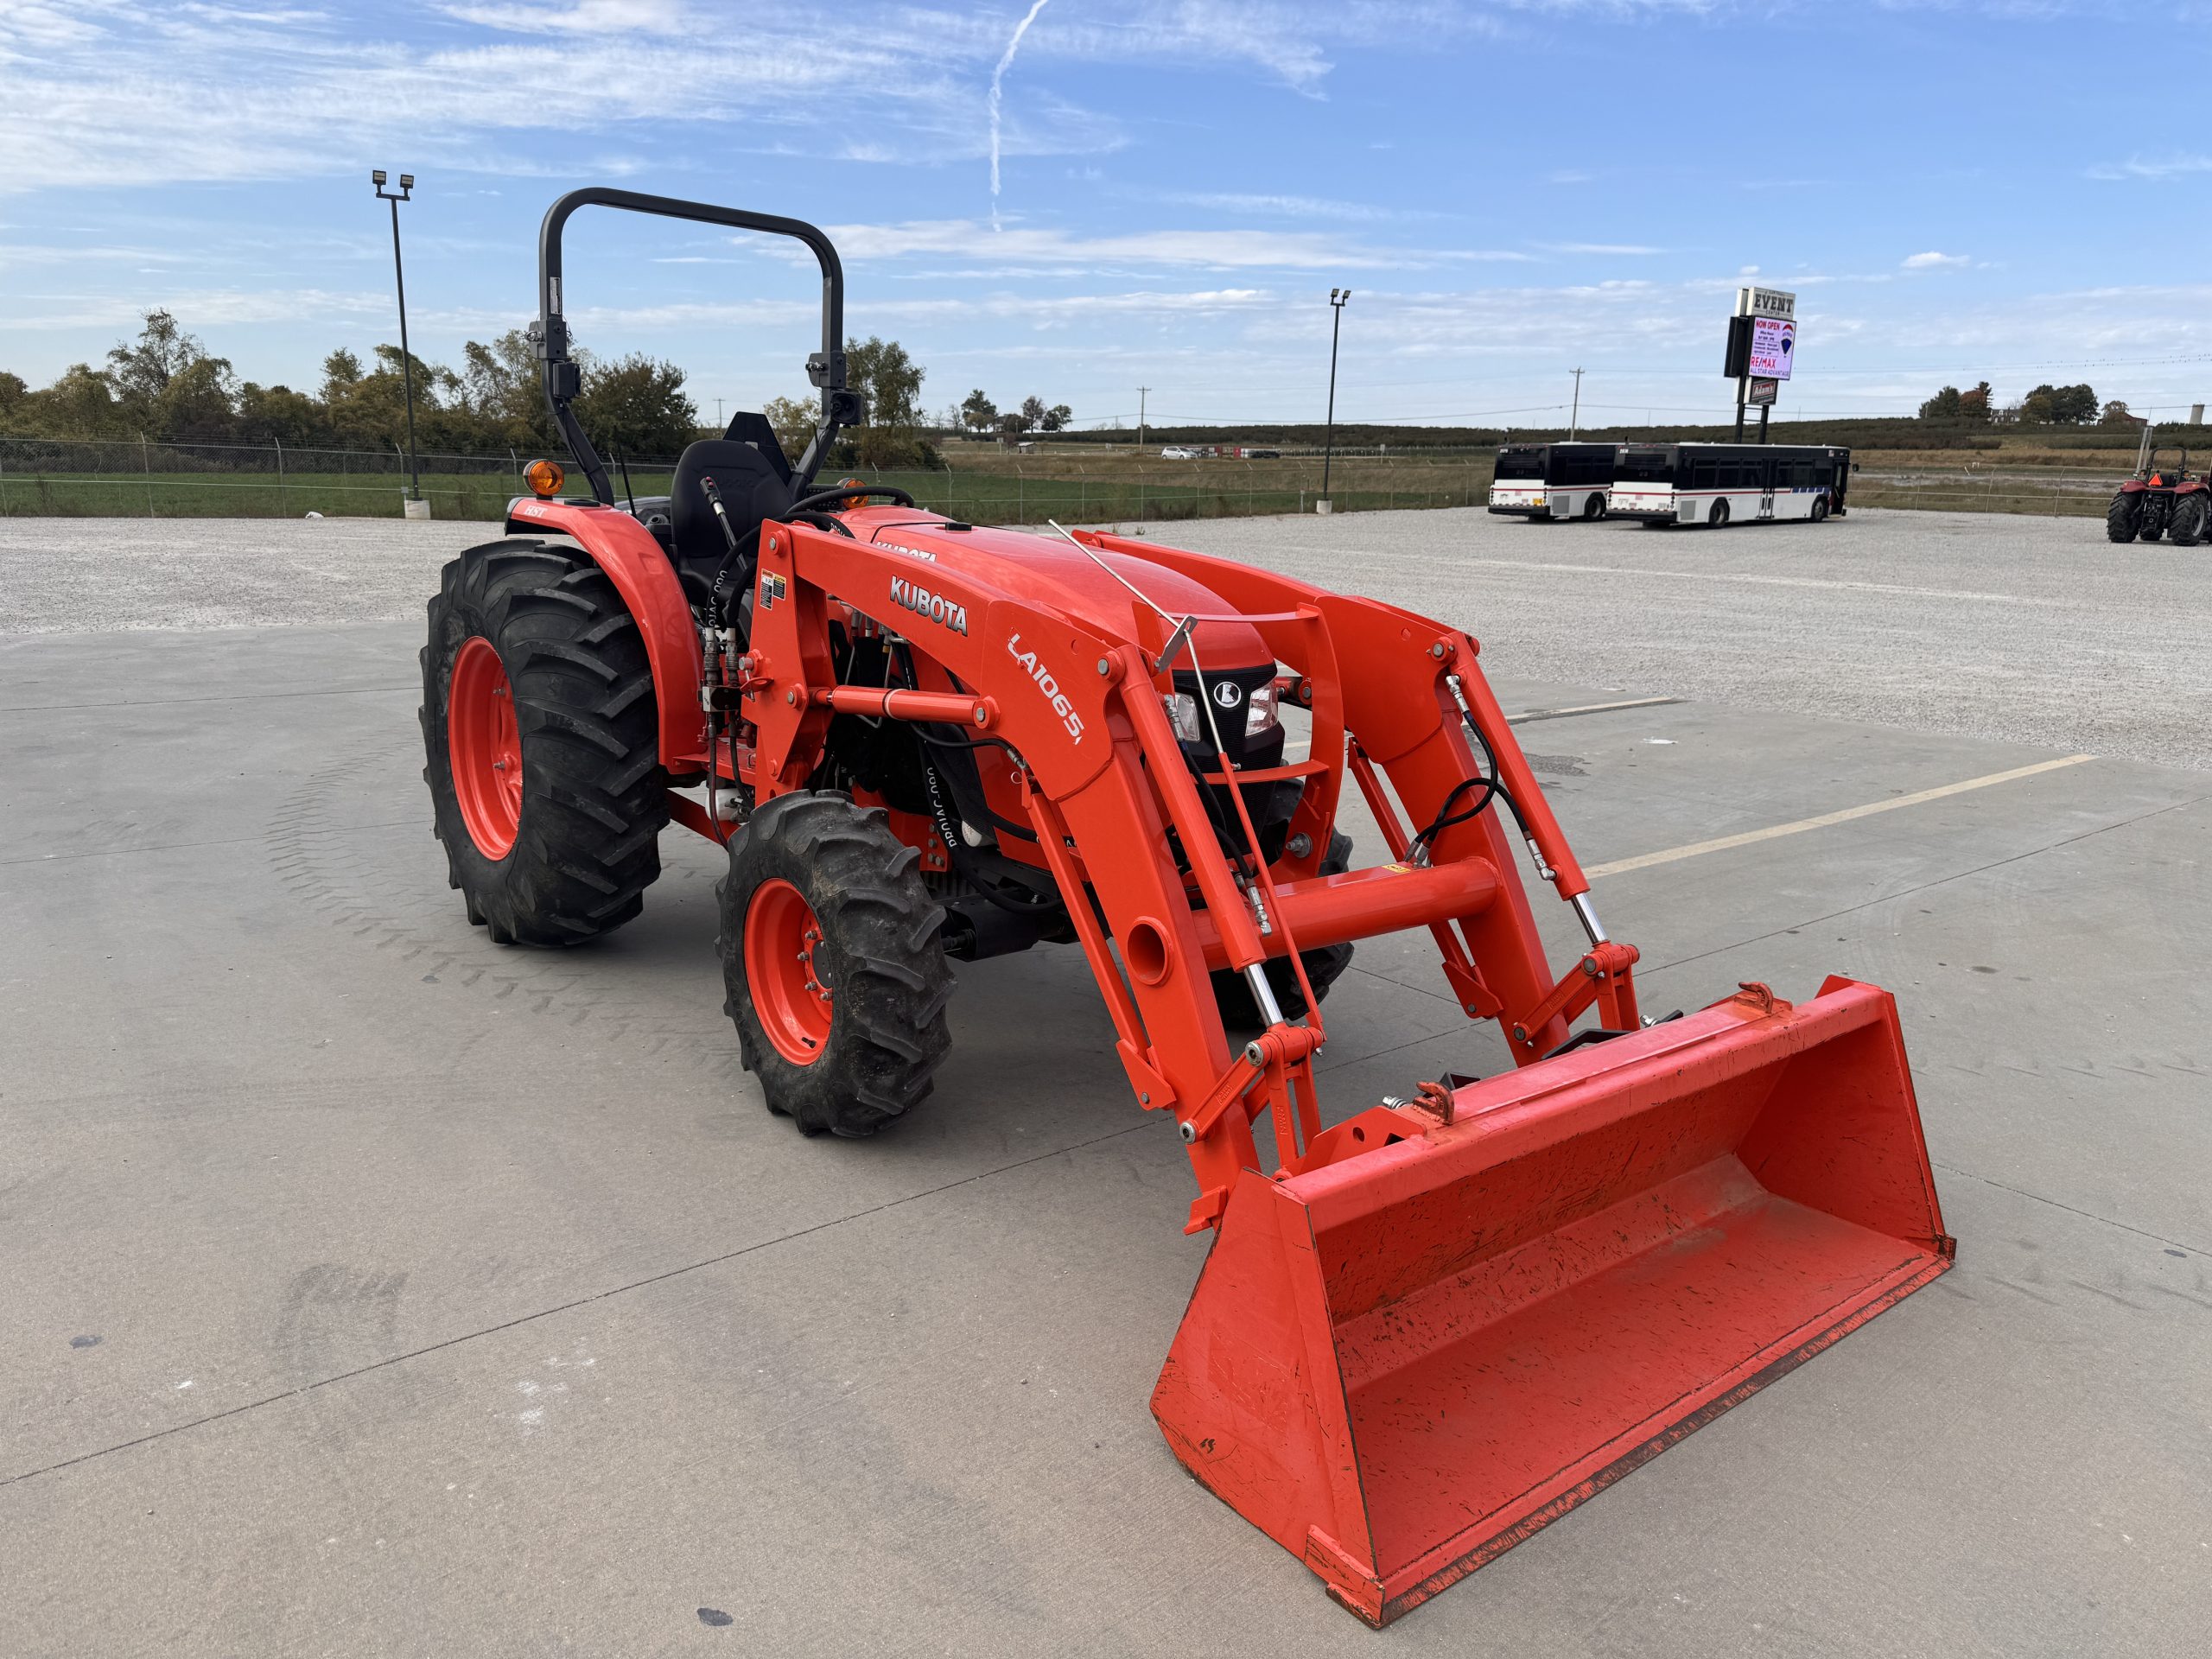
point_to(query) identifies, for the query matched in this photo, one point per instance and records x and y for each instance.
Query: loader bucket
(1400, 1365)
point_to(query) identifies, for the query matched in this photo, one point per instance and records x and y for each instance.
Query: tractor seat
(752, 487)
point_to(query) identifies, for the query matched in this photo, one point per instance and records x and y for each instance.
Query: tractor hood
(1048, 569)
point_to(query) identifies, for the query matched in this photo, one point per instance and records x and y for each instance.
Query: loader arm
(1103, 780)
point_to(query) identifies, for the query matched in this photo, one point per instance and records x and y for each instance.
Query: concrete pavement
(373, 1289)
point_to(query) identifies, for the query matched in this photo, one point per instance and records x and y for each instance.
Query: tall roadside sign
(1762, 350)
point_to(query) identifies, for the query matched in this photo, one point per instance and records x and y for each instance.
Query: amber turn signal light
(545, 478)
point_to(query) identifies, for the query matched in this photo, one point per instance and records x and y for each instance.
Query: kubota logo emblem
(1227, 695)
(1045, 683)
(946, 613)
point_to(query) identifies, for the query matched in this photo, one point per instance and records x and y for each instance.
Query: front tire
(835, 964)
(1820, 508)
(541, 737)
(2120, 518)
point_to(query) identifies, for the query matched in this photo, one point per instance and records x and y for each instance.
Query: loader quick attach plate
(1400, 1365)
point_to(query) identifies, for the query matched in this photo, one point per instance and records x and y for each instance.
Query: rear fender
(640, 571)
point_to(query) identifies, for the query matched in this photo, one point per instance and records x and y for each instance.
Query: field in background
(1081, 481)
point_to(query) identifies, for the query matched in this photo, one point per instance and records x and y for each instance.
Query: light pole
(406, 357)
(1337, 298)
(1574, 420)
(1143, 393)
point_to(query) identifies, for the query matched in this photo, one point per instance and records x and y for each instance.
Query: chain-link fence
(135, 479)
(2047, 491)
(44, 476)
(1075, 483)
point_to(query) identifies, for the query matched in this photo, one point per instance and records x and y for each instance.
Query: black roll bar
(549, 334)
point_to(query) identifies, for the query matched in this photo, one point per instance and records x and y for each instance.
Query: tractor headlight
(1183, 715)
(1262, 712)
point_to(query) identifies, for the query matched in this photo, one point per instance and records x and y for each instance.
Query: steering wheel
(846, 492)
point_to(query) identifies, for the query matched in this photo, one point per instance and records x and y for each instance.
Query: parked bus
(1728, 483)
(1551, 480)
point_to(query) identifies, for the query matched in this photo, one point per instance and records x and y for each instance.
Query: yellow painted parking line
(1699, 849)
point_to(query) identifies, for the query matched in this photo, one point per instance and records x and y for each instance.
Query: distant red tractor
(2160, 500)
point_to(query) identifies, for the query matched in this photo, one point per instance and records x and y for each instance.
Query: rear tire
(1324, 965)
(2120, 518)
(1718, 517)
(1595, 508)
(2187, 524)
(541, 736)
(835, 964)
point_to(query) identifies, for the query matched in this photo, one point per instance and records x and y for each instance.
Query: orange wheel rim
(783, 970)
(483, 747)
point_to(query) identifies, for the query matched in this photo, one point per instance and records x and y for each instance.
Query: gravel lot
(1973, 625)
(2026, 630)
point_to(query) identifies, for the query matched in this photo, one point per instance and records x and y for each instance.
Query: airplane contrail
(1006, 62)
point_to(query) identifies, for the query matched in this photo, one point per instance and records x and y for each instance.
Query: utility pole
(720, 424)
(1142, 392)
(406, 356)
(1574, 420)
(1337, 298)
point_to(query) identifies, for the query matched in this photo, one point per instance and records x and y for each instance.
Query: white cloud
(2165, 166)
(1043, 308)
(1600, 247)
(598, 17)
(1217, 250)
(210, 308)
(1933, 261)
(218, 92)
(1278, 207)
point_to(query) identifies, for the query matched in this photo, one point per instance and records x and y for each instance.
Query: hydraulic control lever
(720, 593)
(722, 513)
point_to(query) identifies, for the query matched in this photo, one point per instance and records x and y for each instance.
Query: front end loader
(1426, 1327)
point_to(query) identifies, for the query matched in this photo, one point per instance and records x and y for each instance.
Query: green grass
(979, 496)
(248, 495)
(999, 488)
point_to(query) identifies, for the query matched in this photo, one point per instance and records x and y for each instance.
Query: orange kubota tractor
(1425, 1329)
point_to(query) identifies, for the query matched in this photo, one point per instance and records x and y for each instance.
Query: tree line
(2045, 405)
(977, 413)
(165, 385)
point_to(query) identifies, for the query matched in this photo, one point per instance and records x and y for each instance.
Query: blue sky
(1511, 189)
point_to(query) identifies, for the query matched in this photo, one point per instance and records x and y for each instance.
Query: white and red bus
(1728, 483)
(1551, 480)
